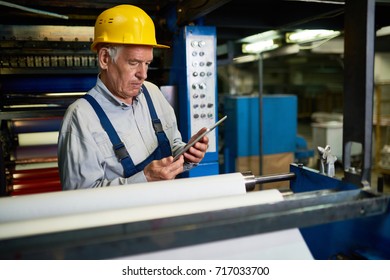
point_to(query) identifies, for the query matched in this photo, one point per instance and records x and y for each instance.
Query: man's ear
(103, 58)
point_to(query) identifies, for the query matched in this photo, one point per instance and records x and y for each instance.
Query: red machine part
(35, 181)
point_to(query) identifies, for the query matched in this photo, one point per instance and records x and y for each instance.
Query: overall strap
(119, 148)
(162, 139)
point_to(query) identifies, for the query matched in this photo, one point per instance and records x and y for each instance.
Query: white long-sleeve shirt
(86, 157)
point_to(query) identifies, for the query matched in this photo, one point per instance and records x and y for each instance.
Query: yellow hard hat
(125, 24)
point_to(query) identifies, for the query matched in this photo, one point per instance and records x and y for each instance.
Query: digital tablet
(192, 143)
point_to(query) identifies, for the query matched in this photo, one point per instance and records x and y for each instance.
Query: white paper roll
(49, 224)
(38, 138)
(54, 204)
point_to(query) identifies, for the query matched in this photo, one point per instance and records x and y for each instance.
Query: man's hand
(164, 169)
(196, 153)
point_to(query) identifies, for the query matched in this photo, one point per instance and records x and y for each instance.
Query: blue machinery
(278, 133)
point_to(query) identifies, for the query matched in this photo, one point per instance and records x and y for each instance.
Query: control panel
(201, 73)
(194, 72)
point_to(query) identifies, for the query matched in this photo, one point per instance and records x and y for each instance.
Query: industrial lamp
(260, 46)
(310, 35)
(261, 42)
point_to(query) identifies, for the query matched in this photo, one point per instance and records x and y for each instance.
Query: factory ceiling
(233, 19)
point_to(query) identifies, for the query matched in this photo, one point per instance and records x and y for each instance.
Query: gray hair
(113, 51)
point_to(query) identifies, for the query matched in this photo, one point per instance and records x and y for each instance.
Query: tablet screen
(190, 144)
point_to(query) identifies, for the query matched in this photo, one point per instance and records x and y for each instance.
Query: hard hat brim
(161, 46)
(158, 46)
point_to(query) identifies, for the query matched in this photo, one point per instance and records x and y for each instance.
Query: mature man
(123, 130)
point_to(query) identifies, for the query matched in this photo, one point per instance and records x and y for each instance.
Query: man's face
(125, 76)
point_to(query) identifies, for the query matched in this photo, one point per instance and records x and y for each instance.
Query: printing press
(43, 69)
